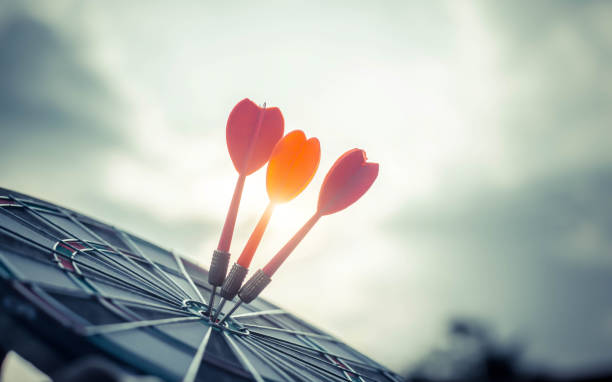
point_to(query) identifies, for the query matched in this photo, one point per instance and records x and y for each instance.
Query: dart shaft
(230, 220)
(212, 300)
(251, 246)
(219, 309)
(230, 312)
(282, 255)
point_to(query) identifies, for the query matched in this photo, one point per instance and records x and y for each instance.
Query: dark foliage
(474, 354)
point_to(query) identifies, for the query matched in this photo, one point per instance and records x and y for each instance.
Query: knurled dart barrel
(254, 286)
(233, 281)
(218, 268)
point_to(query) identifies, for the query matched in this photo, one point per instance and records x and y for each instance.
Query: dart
(347, 180)
(251, 133)
(292, 166)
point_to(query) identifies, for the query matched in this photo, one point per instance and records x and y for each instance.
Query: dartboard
(73, 286)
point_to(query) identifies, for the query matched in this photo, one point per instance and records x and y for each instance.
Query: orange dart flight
(292, 166)
(251, 134)
(348, 179)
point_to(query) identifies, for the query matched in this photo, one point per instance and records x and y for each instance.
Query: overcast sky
(491, 124)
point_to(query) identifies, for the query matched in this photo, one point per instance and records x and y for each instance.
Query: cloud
(553, 64)
(47, 91)
(565, 214)
(535, 260)
(57, 116)
(62, 126)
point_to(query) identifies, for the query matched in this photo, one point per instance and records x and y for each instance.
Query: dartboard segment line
(306, 364)
(33, 243)
(38, 204)
(327, 361)
(91, 248)
(102, 276)
(121, 283)
(392, 377)
(342, 365)
(171, 283)
(118, 310)
(290, 344)
(132, 287)
(79, 293)
(9, 204)
(13, 271)
(65, 241)
(127, 312)
(260, 313)
(192, 371)
(43, 288)
(242, 358)
(32, 227)
(282, 362)
(277, 369)
(127, 258)
(141, 287)
(311, 342)
(283, 324)
(118, 266)
(111, 328)
(102, 258)
(357, 358)
(46, 306)
(128, 303)
(290, 331)
(82, 283)
(330, 363)
(75, 321)
(95, 235)
(188, 277)
(341, 376)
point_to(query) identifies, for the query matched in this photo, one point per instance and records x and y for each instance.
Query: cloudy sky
(491, 124)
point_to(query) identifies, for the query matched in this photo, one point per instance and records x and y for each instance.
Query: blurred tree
(473, 354)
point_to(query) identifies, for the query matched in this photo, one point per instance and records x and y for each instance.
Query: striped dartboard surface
(73, 286)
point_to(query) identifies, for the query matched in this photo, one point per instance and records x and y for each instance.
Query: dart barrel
(233, 282)
(218, 268)
(257, 283)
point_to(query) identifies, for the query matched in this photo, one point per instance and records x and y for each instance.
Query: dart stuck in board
(251, 133)
(254, 137)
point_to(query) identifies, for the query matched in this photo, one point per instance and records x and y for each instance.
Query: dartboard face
(72, 286)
